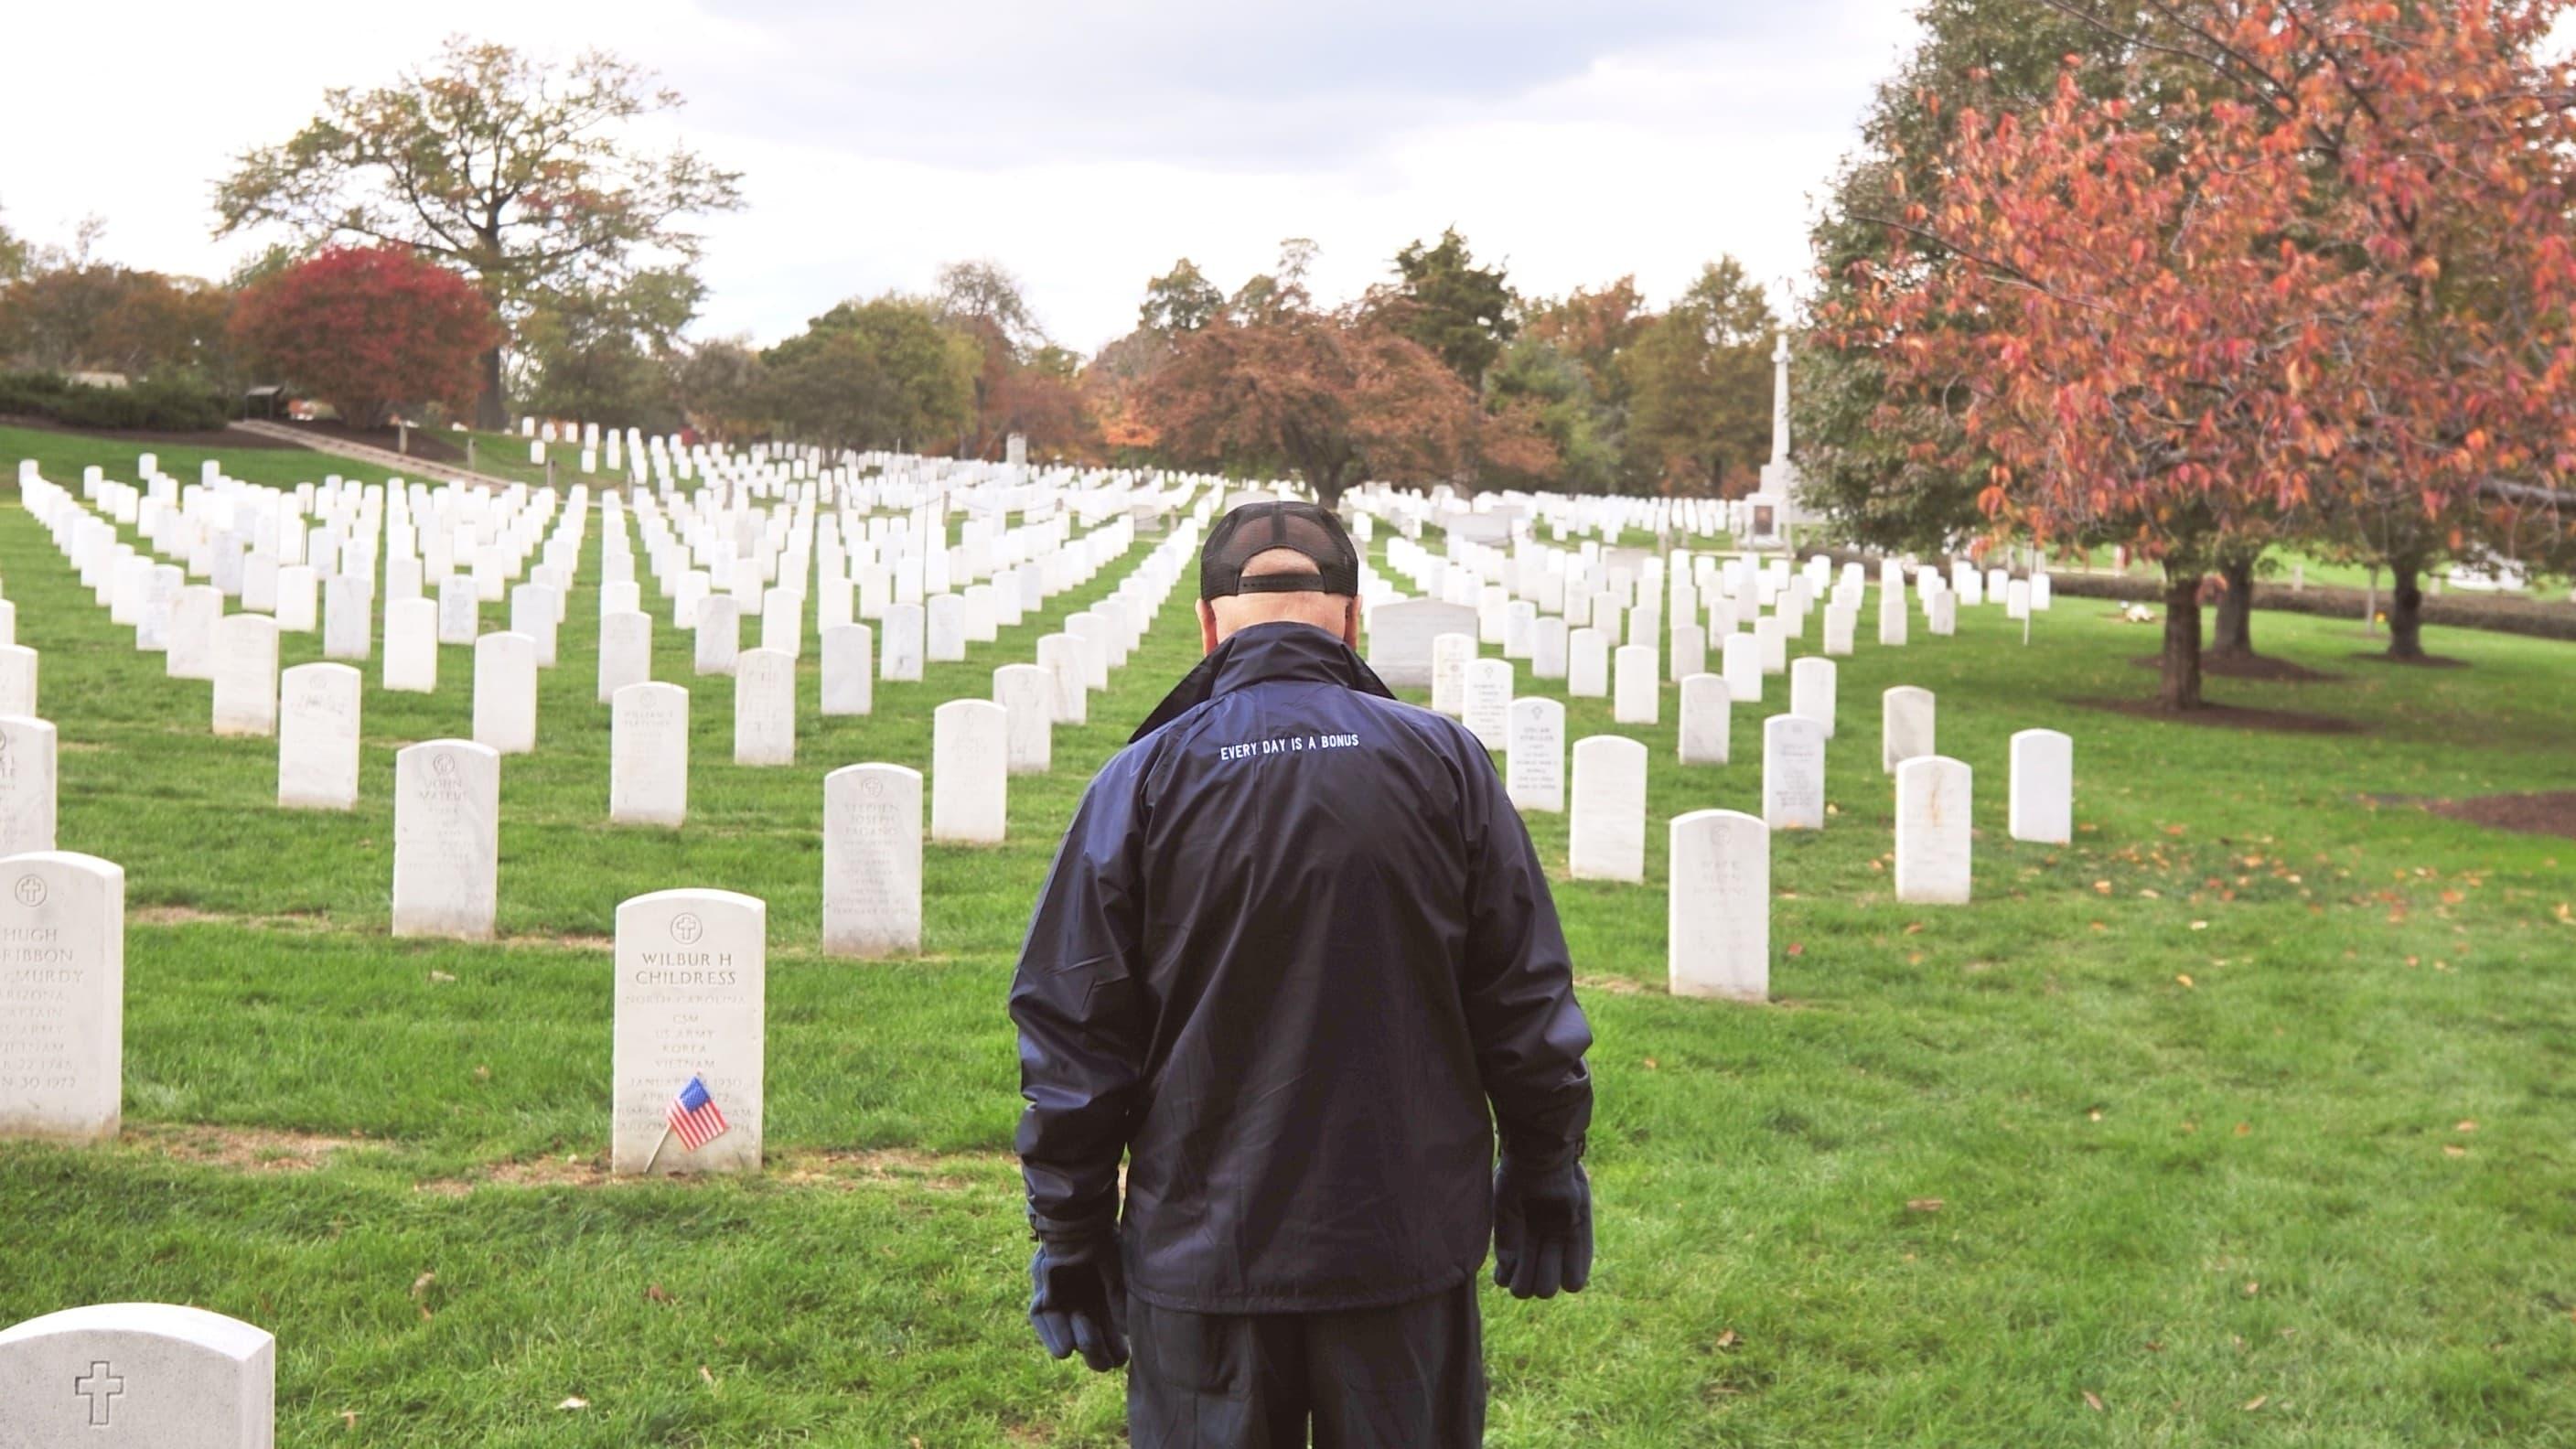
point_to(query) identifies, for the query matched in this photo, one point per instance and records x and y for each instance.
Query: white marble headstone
(1026, 693)
(1932, 830)
(692, 1002)
(505, 692)
(137, 1376)
(2043, 787)
(1718, 920)
(1707, 720)
(317, 737)
(1793, 773)
(969, 756)
(447, 843)
(872, 860)
(648, 754)
(1906, 726)
(1534, 765)
(1812, 689)
(1606, 838)
(849, 670)
(764, 708)
(62, 996)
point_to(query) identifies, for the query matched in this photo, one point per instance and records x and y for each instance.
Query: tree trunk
(2232, 632)
(2181, 682)
(2406, 608)
(492, 409)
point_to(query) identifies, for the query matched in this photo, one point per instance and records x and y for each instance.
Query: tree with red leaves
(2326, 276)
(368, 328)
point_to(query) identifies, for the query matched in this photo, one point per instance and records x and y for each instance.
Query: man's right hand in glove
(1080, 1305)
(1542, 1229)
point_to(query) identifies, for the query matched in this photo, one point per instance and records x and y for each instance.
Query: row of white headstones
(1719, 861)
(61, 923)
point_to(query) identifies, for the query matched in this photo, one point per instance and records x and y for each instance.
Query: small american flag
(693, 1115)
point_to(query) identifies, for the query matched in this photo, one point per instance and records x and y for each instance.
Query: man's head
(1278, 562)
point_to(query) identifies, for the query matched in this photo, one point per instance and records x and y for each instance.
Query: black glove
(1542, 1229)
(1081, 1300)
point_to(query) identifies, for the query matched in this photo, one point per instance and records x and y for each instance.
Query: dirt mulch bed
(2263, 667)
(2421, 661)
(217, 438)
(427, 444)
(2548, 812)
(2230, 716)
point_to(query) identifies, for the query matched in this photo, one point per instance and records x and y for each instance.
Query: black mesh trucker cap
(1257, 528)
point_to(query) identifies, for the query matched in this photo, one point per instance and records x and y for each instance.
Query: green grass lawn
(2249, 1119)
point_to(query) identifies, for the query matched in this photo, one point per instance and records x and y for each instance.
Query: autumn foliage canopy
(368, 328)
(2309, 262)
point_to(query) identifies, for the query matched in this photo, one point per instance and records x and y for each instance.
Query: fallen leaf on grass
(1914, 928)
(2102, 886)
(1729, 1339)
(575, 1402)
(2200, 925)
(656, 1293)
(2257, 1402)
(2253, 1288)
(2093, 1401)
(440, 978)
(1650, 1064)
(710, 1378)
(1924, 1205)
(2453, 1149)
(2095, 1114)
(2466, 1126)
(2185, 979)
(349, 1419)
(1797, 948)
(2244, 1129)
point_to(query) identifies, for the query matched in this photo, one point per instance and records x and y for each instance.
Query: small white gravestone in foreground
(317, 737)
(505, 692)
(1062, 653)
(1606, 840)
(1838, 630)
(1932, 836)
(536, 610)
(145, 1375)
(1812, 690)
(193, 616)
(1488, 702)
(872, 860)
(1905, 726)
(648, 755)
(447, 840)
(692, 1004)
(1793, 773)
(460, 612)
(1707, 720)
(1718, 921)
(1026, 693)
(62, 997)
(2042, 788)
(719, 634)
(969, 779)
(27, 783)
(946, 622)
(1534, 764)
(764, 708)
(1636, 691)
(849, 671)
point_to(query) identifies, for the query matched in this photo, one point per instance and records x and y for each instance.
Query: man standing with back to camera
(1295, 942)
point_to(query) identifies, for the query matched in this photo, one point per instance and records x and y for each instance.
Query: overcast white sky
(1082, 145)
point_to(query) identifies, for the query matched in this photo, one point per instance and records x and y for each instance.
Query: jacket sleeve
(1530, 1036)
(1081, 1019)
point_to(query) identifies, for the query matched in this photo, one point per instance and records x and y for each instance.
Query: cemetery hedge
(153, 404)
(2243, 1120)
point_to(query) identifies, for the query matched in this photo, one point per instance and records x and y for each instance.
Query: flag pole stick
(657, 1149)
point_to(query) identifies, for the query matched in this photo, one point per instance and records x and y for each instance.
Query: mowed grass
(2248, 1119)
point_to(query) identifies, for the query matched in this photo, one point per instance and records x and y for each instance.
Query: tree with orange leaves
(2329, 276)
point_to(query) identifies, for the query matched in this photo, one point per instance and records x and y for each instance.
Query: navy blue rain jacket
(1295, 942)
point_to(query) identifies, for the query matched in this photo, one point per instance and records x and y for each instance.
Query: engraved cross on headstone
(102, 1388)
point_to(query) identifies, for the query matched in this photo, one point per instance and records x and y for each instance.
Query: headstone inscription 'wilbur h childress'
(692, 988)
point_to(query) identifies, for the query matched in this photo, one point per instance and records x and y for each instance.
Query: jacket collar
(1259, 654)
